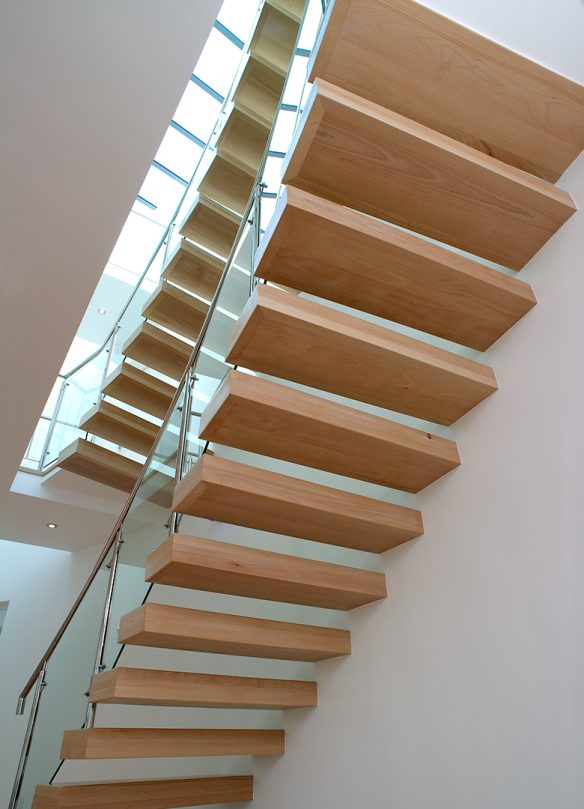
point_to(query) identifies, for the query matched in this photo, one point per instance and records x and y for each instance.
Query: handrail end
(21, 705)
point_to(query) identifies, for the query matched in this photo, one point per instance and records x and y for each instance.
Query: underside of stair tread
(129, 686)
(176, 310)
(139, 389)
(166, 627)
(294, 8)
(102, 465)
(194, 269)
(211, 226)
(159, 350)
(162, 793)
(257, 415)
(258, 92)
(99, 743)
(119, 426)
(322, 248)
(223, 490)
(221, 567)
(242, 141)
(227, 184)
(274, 38)
(306, 342)
(359, 154)
(411, 59)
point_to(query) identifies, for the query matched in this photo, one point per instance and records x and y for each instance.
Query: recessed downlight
(101, 311)
(52, 525)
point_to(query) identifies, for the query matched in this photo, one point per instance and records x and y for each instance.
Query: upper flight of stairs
(175, 312)
(442, 135)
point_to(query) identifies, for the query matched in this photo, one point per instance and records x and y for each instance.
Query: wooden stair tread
(159, 350)
(369, 158)
(129, 686)
(227, 184)
(99, 743)
(161, 793)
(168, 627)
(194, 269)
(211, 226)
(257, 415)
(258, 92)
(286, 336)
(235, 493)
(137, 388)
(220, 567)
(293, 8)
(274, 38)
(102, 465)
(176, 310)
(327, 250)
(242, 141)
(413, 60)
(119, 426)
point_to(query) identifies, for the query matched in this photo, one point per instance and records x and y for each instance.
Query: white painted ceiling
(86, 92)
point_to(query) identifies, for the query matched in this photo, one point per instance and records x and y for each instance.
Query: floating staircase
(421, 139)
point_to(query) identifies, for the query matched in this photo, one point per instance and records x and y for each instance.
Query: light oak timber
(338, 254)
(242, 141)
(164, 793)
(211, 226)
(99, 743)
(258, 415)
(102, 465)
(159, 350)
(289, 337)
(359, 154)
(258, 92)
(226, 491)
(166, 627)
(220, 567)
(194, 269)
(406, 57)
(127, 686)
(274, 39)
(119, 426)
(227, 184)
(293, 8)
(139, 389)
(177, 310)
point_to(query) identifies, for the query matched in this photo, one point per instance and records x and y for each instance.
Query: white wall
(40, 584)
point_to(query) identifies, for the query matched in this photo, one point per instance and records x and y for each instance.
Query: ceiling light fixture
(52, 525)
(101, 311)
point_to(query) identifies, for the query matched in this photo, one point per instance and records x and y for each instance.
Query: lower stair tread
(139, 389)
(120, 426)
(211, 226)
(258, 415)
(177, 310)
(164, 793)
(97, 463)
(194, 269)
(226, 491)
(286, 336)
(207, 564)
(130, 686)
(100, 743)
(159, 350)
(167, 627)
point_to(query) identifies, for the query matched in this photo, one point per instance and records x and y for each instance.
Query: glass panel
(179, 153)
(63, 702)
(197, 111)
(218, 62)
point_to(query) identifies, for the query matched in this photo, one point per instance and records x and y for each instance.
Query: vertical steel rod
(53, 424)
(183, 440)
(107, 608)
(26, 745)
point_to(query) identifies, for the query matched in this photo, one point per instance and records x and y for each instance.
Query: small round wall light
(101, 311)
(52, 525)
